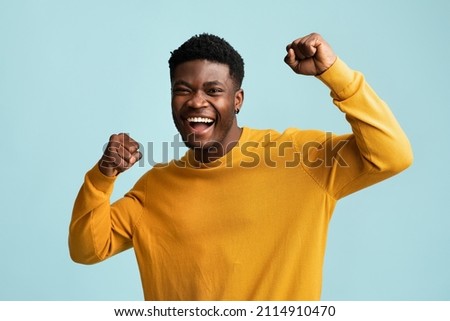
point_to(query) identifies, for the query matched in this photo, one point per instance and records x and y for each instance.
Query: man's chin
(195, 142)
(200, 144)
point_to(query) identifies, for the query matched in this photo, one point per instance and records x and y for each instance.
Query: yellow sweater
(253, 224)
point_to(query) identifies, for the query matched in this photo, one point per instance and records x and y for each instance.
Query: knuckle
(114, 138)
(125, 136)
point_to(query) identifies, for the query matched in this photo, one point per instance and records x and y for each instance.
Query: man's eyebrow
(206, 84)
(181, 83)
(213, 83)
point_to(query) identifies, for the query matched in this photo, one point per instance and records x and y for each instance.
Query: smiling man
(206, 74)
(244, 214)
(205, 101)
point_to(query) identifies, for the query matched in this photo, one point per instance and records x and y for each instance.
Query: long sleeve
(377, 148)
(98, 229)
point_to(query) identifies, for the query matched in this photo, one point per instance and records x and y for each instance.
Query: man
(244, 214)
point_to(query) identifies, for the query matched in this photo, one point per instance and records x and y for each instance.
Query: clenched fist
(121, 153)
(309, 55)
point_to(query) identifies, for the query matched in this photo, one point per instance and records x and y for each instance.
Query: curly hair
(212, 48)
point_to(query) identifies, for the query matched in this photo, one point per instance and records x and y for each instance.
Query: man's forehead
(207, 71)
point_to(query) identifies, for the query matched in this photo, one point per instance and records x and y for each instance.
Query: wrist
(338, 78)
(99, 180)
(106, 169)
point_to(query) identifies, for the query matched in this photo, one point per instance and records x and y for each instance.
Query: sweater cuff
(100, 181)
(339, 78)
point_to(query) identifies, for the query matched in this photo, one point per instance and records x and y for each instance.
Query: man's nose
(197, 100)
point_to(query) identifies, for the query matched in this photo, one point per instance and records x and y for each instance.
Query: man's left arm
(378, 147)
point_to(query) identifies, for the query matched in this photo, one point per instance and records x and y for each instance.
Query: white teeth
(200, 120)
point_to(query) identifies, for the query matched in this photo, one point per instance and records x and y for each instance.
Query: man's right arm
(98, 229)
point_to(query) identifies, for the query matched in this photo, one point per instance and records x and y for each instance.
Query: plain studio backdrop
(74, 72)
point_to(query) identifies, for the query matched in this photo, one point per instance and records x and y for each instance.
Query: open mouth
(200, 124)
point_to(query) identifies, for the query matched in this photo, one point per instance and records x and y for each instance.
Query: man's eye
(180, 91)
(214, 91)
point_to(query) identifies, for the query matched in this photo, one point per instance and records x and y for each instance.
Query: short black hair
(212, 48)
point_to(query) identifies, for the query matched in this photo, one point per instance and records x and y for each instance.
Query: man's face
(204, 100)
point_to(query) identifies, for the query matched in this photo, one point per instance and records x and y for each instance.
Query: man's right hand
(121, 153)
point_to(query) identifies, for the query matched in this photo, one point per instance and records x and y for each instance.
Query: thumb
(290, 58)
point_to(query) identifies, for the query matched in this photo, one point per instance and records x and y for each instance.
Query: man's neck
(216, 151)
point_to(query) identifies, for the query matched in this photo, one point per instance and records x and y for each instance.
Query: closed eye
(214, 91)
(180, 91)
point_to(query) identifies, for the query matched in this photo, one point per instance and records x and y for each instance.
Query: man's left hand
(309, 55)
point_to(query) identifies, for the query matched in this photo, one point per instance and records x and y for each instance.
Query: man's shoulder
(291, 134)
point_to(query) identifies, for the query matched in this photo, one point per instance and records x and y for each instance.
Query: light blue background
(74, 72)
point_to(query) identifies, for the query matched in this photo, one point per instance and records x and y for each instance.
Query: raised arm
(98, 229)
(377, 148)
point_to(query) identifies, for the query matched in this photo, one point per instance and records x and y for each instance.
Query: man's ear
(238, 100)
